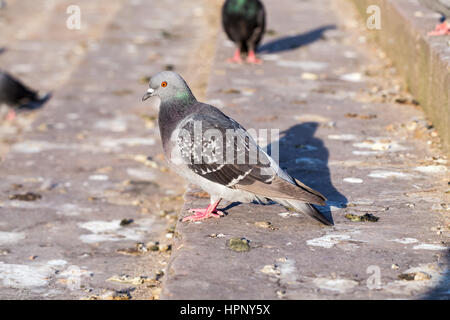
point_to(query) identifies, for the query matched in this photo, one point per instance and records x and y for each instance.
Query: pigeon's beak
(148, 94)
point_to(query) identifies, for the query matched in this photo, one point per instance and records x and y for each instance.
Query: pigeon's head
(169, 86)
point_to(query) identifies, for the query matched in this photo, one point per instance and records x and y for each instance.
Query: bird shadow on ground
(294, 42)
(305, 158)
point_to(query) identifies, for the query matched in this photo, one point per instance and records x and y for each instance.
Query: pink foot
(252, 59)
(440, 30)
(201, 214)
(236, 58)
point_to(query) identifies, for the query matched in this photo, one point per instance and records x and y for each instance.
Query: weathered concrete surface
(333, 96)
(423, 61)
(39, 50)
(85, 156)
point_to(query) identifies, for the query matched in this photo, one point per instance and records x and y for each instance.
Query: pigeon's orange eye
(164, 84)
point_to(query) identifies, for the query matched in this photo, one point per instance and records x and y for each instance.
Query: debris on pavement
(29, 196)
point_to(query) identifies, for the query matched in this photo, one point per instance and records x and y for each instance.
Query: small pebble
(420, 276)
(416, 276)
(309, 76)
(159, 274)
(129, 279)
(153, 246)
(265, 225)
(169, 235)
(367, 217)
(164, 247)
(214, 236)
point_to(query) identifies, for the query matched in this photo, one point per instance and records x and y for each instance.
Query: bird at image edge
(16, 95)
(244, 22)
(262, 181)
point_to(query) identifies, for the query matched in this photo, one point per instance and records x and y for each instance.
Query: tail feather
(306, 208)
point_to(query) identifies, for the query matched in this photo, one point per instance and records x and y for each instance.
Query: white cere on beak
(150, 90)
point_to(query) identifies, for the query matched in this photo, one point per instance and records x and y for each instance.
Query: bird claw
(234, 60)
(11, 116)
(202, 214)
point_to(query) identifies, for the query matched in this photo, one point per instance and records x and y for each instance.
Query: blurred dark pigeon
(196, 140)
(244, 22)
(15, 94)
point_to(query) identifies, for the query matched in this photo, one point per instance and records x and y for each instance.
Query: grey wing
(218, 149)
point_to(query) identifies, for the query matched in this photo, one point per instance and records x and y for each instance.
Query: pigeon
(443, 7)
(214, 152)
(244, 22)
(16, 94)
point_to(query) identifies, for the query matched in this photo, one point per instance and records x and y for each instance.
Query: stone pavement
(348, 131)
(87, 205)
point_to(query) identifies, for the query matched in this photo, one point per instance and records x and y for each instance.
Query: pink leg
(236, 58)
(440, 30)
(11, 115)
(201, 214)
(251, 58)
